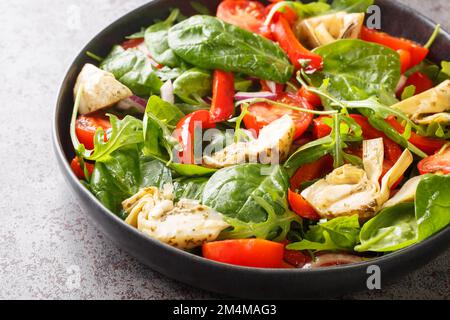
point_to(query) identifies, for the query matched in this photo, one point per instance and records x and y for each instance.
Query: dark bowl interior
(209, 275)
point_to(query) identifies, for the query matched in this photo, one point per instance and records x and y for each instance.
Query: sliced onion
(272, 86)
(333, 259)
(401, 83)
(167, 92)
(133, 102)
(251, 95)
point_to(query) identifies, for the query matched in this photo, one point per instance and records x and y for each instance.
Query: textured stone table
(45, 238)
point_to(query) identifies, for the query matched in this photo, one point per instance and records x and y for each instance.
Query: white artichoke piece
(429, 106)
(99, 89)
(350, 190)
(272, 145)
(406, 194)
(318, 31)
(185, 225)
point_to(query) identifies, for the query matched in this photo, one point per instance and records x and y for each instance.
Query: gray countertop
(48, 247)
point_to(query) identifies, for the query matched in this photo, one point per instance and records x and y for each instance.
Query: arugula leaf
(341, 233)
(157, 43)
(192, 85)
(123, 133)
(432, 205)
(392, 229)
(351, 6)
(134, 69)
(209, 43)
(357, 69)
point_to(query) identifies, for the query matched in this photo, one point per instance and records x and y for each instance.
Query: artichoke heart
(318, 31)
(100, 89)
(350, 190)
(430, 106)
(185, 225)
(272, 146)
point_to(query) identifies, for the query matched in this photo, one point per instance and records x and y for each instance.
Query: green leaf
(357, 69)
(164, 111)
(156, 40)
(200, 8)
(121, 175)
(352, 6)
(192, 85)
(307, 10)
(231, 191)
(209, 43)
(134, 69)
(123, 133)
(432, 205)
(341, 233)
(189, 188)
(392, 229)
(409, 92)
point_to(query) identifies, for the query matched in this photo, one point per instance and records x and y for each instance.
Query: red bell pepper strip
(311, 171)
(417, 52)
(185, 131)
(222, 107)
(405, 60)
(428, 145)
(255, 253)
(301, 207)
(296, 52)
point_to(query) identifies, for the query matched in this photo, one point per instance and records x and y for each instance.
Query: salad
(281, 136)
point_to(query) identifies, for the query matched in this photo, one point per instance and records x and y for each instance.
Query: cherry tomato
(311, 97)
(79, 172)
(87, 125)
(420, 81)
(255, 253)
(311, 171)
(438, 163)
(132, 43)
(249, 15)
(301, 207)
(261, 114)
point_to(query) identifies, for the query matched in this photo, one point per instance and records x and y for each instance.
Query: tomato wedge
(254, 253)
(76, 168)
(438, 163)
(249, 15)
(420, 81)
(87, 125)
(132, 43)
(262, 113)
(311, 171)
(417, 52)
(311, 97)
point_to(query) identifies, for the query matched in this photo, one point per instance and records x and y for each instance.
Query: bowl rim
(71, 177)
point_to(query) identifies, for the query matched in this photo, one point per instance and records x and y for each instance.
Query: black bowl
(221, 278)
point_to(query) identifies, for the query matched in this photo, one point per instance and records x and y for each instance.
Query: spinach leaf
(357, 69)
(166, 73)
(165, 111)
(432, 205)
(123, 133)
(189, 188)
(192, 85)
(121, 175)
(392, 229)
(157, 43)
(307, 10)
(134, 69)
(341, 233)
(209, 43)
(351, 5)
(230, 191)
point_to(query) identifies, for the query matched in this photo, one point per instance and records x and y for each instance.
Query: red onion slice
(251, 95)
(132, 102)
